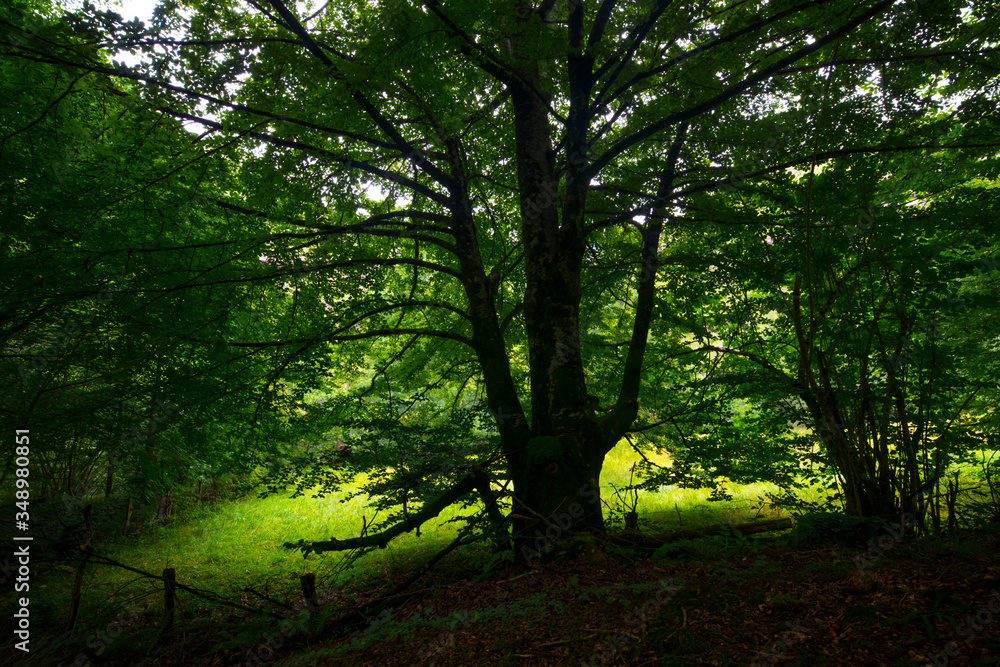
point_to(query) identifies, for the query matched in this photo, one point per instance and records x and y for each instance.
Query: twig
(565, 641)
(279, 603)
(361, 614)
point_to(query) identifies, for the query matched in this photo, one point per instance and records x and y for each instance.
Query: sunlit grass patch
(674, 506)
(230, 546)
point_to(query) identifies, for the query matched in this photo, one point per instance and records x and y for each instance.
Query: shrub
(817, 528)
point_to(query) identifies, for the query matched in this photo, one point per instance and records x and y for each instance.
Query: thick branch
(412, 153)
(381, 540)
(600, 22)
(756, 358)
(635, 38)
(488, 62)
(886, 60)
(408, 230)
(719, 41)
(366, 104)
(373, 333)
(347, 162)
(617, 421)
(707, 186)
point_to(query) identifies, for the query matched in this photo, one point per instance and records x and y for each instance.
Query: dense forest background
(453, 256)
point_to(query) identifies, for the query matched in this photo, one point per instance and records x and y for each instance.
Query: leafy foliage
(482, 245)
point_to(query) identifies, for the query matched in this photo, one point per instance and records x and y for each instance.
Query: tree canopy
(485, 243)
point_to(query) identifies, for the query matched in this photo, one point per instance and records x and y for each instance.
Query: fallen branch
(363, 614)
(655, 541)
(381, 540)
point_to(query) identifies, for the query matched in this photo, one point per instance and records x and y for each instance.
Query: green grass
(231, 545)
(674, 507)
(239, 543)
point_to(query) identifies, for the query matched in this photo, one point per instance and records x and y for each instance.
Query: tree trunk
(109, 481)
(555, 451)
(166, 507)
(868, 490)
(554, 498)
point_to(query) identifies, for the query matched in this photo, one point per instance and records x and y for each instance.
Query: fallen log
(656, 541)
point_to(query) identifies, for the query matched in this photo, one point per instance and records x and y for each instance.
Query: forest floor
(713, 601)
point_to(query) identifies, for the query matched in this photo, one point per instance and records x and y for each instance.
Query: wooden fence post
(169, 590)
(308, 582)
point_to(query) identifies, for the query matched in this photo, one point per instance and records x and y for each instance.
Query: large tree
(500, 185)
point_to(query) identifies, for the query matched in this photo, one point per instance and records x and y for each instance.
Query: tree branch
(600, 22)
(885, 60)
(719, 41)
(430, 510)
(369, 108)
(628, 142)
